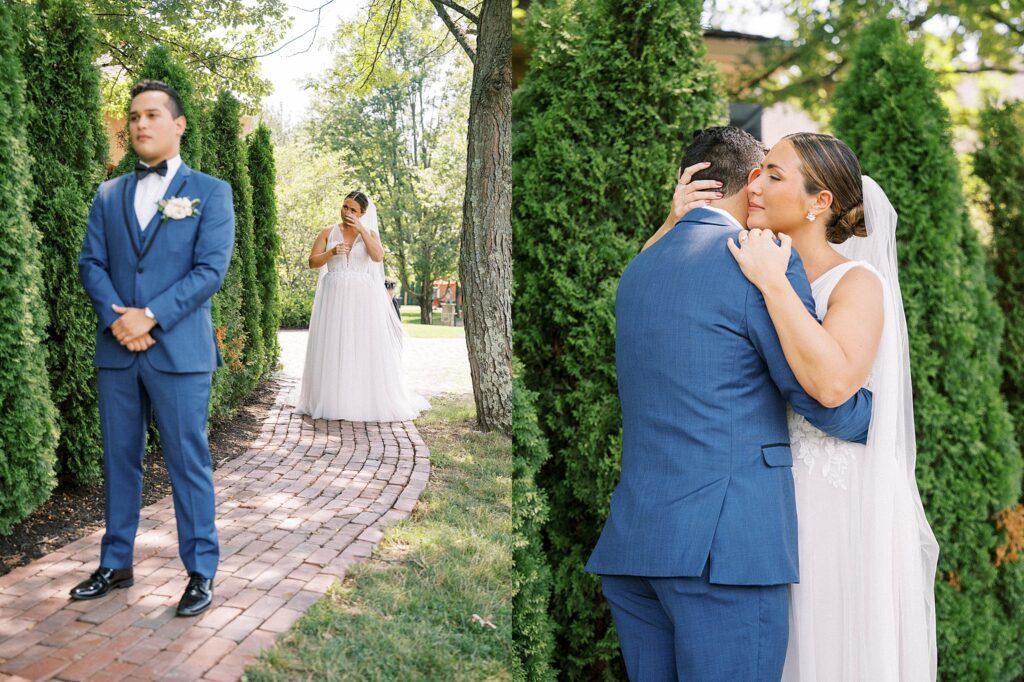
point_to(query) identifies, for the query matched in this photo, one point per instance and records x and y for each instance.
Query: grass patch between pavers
(422, 607)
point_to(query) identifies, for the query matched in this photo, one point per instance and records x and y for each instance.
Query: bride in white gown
(353, 368)
(864, 609)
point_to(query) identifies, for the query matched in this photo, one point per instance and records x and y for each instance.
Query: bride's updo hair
(361, 199)
(829, 164)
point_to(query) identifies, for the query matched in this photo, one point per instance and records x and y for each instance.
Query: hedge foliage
(236, 307)
(263, 175)
(614, 92)
(28, 427)
(533, 641)
(999, 163)
(969, 466)
(68, 143)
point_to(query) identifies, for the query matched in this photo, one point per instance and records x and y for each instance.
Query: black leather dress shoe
(198, 596)
(103, 580)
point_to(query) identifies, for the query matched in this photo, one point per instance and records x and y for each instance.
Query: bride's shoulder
(860, 281)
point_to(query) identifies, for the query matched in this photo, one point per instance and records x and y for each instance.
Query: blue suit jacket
(706, 463)
(173, 268)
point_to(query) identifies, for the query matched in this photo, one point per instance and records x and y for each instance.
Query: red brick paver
(306, 501)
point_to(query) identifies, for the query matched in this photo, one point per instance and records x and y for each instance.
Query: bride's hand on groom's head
(690, 194)
(762, 261)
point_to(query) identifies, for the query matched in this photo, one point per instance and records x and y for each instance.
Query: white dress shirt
(730, 216)
(151, 189)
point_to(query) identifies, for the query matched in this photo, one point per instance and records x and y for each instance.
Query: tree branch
(314, 30)
(984, 68)
(461, 10)
(1003, 21)
(460, 36)
(791, 56)
(390, 26)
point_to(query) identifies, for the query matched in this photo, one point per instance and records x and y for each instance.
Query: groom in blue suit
(700, 544)
(157, 248)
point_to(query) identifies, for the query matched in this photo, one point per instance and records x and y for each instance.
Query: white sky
(748, 16)
(286, 69)
(745, 16)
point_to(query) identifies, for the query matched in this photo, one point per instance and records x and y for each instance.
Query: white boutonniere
(177, 208)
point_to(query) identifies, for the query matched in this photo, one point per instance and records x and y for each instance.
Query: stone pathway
(308, 499)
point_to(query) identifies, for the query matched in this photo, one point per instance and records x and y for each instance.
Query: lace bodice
(356, 261)
(816, 453)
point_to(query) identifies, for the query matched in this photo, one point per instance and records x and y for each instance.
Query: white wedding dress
(864, 609)
(353, 368)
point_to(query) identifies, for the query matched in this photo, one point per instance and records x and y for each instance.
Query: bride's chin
(756, 220)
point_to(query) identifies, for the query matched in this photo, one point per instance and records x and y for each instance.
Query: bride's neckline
(341, 233)
(831, 269)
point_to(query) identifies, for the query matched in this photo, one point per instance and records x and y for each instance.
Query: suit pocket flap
(777, 455)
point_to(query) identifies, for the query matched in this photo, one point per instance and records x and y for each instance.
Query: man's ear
(754, 172)
(180, 124)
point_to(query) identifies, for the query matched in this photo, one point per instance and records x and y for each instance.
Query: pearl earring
(810, 216)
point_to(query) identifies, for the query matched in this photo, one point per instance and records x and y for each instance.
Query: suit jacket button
(139, 270)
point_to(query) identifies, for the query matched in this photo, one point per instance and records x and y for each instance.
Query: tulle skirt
(353, 368)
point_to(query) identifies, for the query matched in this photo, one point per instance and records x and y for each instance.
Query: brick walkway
(301, 505)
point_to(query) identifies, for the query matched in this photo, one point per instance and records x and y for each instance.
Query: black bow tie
(142, 170)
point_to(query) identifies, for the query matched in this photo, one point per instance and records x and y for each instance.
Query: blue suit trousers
(181, 404)
(692, 630)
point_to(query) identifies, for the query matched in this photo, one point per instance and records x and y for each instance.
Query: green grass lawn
(413, 327)
(414, 610)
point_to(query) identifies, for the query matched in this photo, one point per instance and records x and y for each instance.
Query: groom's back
(703, 423)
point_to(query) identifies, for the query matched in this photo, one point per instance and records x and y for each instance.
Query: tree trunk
(426, 309)
(485, 263)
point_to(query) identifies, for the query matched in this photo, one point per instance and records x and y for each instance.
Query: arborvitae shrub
(28, 430)
(68, 143)
(614, 92)
(268, 244)
(968, 465)
(532, 629)
(238, 302)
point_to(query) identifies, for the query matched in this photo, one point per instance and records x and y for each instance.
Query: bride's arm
(373, 246)
(831, 360)
(319, 255)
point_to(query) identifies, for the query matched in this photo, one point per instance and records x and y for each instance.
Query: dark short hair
(361, 199)
(177, 108)
(733, 153)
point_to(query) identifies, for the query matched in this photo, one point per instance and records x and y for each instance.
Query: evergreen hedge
(28, 427)
(533, 639)
(968, 465)
(268, 244)
(160, 65)
(237, 306)
(68, 142)
(614, 92)
(999, 162)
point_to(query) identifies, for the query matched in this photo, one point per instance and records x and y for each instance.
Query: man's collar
(731, 218)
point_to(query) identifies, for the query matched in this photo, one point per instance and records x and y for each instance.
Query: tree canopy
(806, 67)
(217, 41)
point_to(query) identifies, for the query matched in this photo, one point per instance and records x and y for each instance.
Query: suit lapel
(131, 222)
(157, 223)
